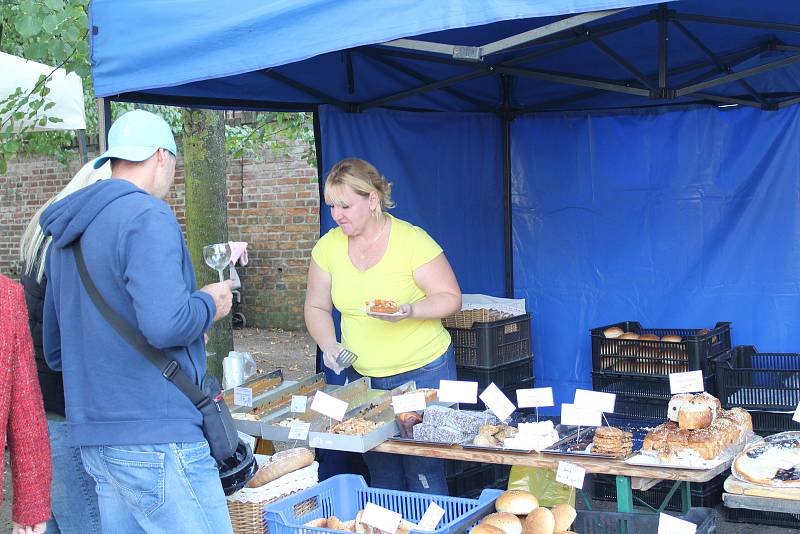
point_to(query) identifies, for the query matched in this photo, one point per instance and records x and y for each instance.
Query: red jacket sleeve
(28, 440)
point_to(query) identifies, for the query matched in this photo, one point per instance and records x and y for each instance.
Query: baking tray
(582, 438)
(379, 410)
(260, 384)
(442, 443)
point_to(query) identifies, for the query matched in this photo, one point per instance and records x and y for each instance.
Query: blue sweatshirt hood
(67, 219)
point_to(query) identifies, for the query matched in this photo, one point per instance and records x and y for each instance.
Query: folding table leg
(686, 496)
(624, 494)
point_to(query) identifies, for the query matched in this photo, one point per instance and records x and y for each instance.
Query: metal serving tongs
(346, 358)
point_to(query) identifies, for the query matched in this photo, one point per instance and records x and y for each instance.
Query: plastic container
(598, 522)
(641, 407)
(488, 345)
(767, 423)
(706, 494)
(657, 357)
(778, 519)
(640, 386)
(502, 376)
(470, 483)
(759, 380)
(344, 495)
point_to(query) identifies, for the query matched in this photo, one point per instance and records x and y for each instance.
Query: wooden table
(740, 494)
(629, 477)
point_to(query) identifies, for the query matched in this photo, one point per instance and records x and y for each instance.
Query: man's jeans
(72, 495)
(410, 473)
(170, 487)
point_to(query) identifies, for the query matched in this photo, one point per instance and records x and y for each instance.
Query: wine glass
(217, 256)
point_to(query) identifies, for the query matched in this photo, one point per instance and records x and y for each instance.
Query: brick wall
(272, 204)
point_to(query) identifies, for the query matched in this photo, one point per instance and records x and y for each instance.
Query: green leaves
(27, 26)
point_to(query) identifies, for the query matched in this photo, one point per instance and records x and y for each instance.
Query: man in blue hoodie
(140, 437)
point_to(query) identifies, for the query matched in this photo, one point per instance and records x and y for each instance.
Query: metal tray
(576, 440)
(442, 443)
(260, 384)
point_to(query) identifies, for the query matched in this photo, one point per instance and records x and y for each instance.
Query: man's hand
(223, 298)
(38, 528)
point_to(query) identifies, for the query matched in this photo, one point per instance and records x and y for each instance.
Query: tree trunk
(207, 210)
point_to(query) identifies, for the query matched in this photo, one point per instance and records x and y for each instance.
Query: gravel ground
(294, 353)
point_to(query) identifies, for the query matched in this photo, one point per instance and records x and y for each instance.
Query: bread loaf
(613, 332)
(517, 502)
(564, 516)
(317, 523)
(508, 523)
(540, 521)
(484, 528)
(280, 464)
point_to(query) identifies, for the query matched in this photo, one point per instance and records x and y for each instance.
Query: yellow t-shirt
(383, 348)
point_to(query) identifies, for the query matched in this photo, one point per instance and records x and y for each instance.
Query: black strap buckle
(171, 370)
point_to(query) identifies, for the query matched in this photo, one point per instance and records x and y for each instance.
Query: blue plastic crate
(344, 495)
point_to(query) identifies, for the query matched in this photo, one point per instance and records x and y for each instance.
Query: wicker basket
(246, 506)
(466, 318)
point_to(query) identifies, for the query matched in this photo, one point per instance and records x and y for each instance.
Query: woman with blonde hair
(370, 256)
(74, 501)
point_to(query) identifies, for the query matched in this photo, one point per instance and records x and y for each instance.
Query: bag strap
(170, 369)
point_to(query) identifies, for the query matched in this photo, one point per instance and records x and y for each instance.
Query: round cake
(775, 461)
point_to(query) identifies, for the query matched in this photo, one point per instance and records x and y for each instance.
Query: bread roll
(406, 422)
(483, 528)
(613, 332)
(671, 339)
(485, 440)
(508, 523)
(517, 502)
(540, 521)
(649, 337)
(694, 416)
(675, 404)
(564, 515)
(280, 464)
(334, 523)
(322, 522)
(629, 335)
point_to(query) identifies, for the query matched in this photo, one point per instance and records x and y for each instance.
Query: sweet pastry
(772, 462)
(355, 426)
(381, 306)
(517, 502)
(406, 422)
(612, 441)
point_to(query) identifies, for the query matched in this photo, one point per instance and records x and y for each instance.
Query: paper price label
(250, 440)
(430, 519)
(380, 518)
(535, 397)
(458, 391)
(497, 402)
(578, 416)
(299, 403)
(595, 400)
(330, 406)
(688, 382)
(570, 474)
(243, 396)
(796, 416)
(299, 430)
(410, 402)
(672, 525)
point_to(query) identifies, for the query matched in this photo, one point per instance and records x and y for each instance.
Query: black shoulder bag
(218, 426)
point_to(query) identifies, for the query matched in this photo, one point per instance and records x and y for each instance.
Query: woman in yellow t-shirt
(372, 255)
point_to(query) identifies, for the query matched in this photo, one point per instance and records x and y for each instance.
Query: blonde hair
(363, 178)
(34, 244)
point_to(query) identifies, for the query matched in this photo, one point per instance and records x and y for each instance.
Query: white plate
(694, 463)
(398, 313)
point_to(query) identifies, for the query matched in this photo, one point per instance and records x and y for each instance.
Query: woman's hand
(404, 311)
(38, 528)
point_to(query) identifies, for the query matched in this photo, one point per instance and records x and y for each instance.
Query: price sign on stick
(380, 518)
(577, 416)
(242, 396)
(535, 397)
(688, 382)
(299, 430)
(330, 406)
(672, 525)
(458, 391)
(497, 402)
(570, 474)
(430, 519)
(299, 403)
(595, 400)
(410, 402)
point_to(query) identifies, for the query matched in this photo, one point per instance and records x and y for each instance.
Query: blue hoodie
(137, 257)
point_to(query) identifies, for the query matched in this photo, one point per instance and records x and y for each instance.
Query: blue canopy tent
(607, 160)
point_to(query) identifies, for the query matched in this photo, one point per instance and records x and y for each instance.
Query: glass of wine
(217, 256)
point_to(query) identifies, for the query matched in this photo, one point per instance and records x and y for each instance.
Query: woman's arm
(442, 294)
(318, 306)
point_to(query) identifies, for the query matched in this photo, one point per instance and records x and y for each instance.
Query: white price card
(668, 524)
(380, 518)
(299, 403)
(595, 400)
(570, 474)
(497, 402)
(243, 396)
(796, 416)
(410, 402)
(688, 382)
(535, 397)
(430, 519)
(458, 391)
(579, 416)
(299, 430)
(330, 406)
(247, 438)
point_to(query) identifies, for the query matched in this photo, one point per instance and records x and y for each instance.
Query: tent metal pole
(728, 100)
(558, 102)
(483, 71)
(738, 22)
(571, 79)
(103, 122)
(663, 41)
(507, 219)
(319, 95)
(789, 102)
(320, 185)
(787, 48)
(351, 82)
(737, 75)
(621, 61)
(728, 60)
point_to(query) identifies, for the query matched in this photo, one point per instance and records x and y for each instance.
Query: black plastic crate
(778, 519)
(502, 376)
(640, 386)
(453, 468)
(759, 380)
(706, 494)
(600, 522)
(491, 344)
(767, 423)
(641, 407)
(694, 352)
(470, 483)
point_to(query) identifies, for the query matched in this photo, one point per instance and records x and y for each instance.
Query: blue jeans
(169, 487)
(72, 496)
(410, 473)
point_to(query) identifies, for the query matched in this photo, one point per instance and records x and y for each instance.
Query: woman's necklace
(363, 254)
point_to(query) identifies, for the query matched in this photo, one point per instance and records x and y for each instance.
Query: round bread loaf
(483, 528)
(540, 521)
(613, 332)
(322, 522)
(693, 416)
(629, 335)
(508, 523)
(675, 404)
(671, 339)
(649, 337)
(564, 515)
(517, 502)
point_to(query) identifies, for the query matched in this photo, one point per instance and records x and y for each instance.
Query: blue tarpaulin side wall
(674, 219)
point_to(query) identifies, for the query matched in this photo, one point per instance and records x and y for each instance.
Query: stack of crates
(637, 371)
(488, 350)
